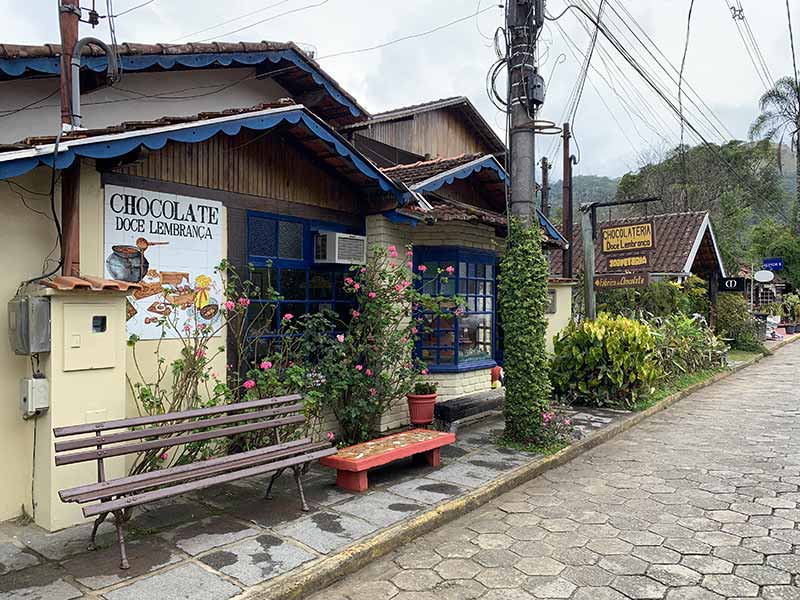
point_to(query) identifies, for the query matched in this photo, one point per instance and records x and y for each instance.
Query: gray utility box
(29, 324)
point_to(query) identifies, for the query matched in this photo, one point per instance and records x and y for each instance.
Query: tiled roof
(13, 51)
(422, 170)
(137, 125)
(87, 282)
(675, 236)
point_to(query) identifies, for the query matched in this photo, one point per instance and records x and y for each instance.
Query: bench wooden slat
(175, 475)
(128, 501)
(150, 432)
(68, 459)
(177, 416)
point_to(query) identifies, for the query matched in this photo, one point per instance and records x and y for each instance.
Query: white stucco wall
(186, 93)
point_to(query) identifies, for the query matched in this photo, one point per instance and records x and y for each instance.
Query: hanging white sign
(170, 245)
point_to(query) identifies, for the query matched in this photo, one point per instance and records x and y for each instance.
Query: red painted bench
(353, 462)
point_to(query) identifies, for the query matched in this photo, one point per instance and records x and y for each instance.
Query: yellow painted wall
(556, 322)
(25, 239)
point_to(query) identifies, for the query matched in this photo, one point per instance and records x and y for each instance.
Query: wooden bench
(352, 463)
(157, 434)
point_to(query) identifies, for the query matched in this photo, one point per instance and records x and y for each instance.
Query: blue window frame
(465, 342)
(280, 250)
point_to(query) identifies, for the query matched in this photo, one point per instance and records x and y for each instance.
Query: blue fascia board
(549, 227)
(16, 67)
(119, 146)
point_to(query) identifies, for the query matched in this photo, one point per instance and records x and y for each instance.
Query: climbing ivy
(522, 301)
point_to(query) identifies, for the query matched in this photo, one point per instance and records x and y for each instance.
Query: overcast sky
(454, 60)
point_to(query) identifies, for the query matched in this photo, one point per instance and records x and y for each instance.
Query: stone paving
(221, 542)
(700, 502)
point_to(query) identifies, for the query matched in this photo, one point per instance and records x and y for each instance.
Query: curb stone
(328, 570)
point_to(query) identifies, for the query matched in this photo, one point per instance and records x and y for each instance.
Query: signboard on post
(170, 245)
(773, 264)
(627, 238)
(614, 281)
(731, 284)
(628, 263)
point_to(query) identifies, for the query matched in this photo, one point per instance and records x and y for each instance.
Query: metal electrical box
(34, 396)
(29, 324)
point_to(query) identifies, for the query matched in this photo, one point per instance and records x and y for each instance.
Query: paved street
(700, 502)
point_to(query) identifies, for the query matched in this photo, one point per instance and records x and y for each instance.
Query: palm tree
(780, 113)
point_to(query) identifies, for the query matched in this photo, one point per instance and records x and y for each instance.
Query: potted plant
(421, 402)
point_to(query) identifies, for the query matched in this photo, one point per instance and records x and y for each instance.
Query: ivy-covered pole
(523, 270)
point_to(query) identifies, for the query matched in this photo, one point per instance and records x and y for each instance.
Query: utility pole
(545, 187)
(526, 91)
(69, 14)
(587, 236)
(566, 204)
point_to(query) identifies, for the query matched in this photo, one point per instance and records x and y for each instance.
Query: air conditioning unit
(340, 248)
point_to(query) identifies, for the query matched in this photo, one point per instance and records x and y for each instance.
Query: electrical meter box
(29, 324)
(34, 396)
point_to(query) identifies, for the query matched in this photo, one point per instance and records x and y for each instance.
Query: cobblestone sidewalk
(700, 502)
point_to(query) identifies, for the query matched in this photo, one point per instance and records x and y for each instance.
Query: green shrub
(659, 299)
(522, 290)
(736, 323)
(686, 345)
(610, 361)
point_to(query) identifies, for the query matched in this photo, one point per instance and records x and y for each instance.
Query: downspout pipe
(113, 73)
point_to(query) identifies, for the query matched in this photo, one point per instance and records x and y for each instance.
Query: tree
(771, 238)
(780, 113)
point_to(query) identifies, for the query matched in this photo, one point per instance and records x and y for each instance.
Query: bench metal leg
(275, 475)
(123, 553)
(97, 522)
(298, 477)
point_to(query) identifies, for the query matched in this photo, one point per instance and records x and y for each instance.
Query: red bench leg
(433, 457)
(353, 481)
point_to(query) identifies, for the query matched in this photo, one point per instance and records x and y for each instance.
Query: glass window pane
(447, 356)
(462, 269)
(295, 309)
(475, 338)
(489, 272)
(293, 284)
(481, 270)
(488, 304)
(261, 237)
(320, 286)
(290, 240)
(551, 305)
(462, 286)
(447, 286)
(472, 287)
(265, 280)
(429, 286)
(489, 288)
(471, 270)
(338, 283)
(261, 318)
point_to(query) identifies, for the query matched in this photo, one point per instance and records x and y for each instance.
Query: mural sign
(627, 238)
(170, 245)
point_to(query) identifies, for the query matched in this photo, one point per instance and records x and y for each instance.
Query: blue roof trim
(17, 66)
(395, 217)
(199, 133)
(549, 227)
(447, 178)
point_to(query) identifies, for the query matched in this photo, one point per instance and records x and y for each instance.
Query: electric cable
(233, 20)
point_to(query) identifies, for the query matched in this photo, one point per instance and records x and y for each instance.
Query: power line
(233, 20)
(585, 70)
(131, 9)
(794, 56)
(272, 18)
(29, 106)
(680, 101)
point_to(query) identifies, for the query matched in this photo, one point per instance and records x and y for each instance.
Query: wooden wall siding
(438, 133)
(255, 164)
(467, 192)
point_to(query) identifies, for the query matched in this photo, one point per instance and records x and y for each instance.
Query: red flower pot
(420, 408)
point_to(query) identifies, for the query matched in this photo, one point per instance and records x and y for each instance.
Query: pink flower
(356, 314)
(406, 283)
(372, 391)
(199, 353)
(357, 286)
(450, 269)
(331, 436)
(410, 265)
(266, 365)
(230, 305)
(393, 254)
(392, 248)
(288, 317)
(363, 269)
(403, 340)
(340, 338)
(398, 288)
(422, 268)
(164, 456)
(291, 363)
(249, 384)
(244, 301)
(372, 295)
(393, 265)
(424, 371)
(368, 372)
(414, 331)
(348, 280)
(359, 367)
(567, 422)
(409, 253)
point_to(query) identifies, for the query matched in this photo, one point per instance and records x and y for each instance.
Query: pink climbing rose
(450, 269)
(244, 301)
(288, 317)
(249, 384)
(230, 305)
(422, 268)
(266, 365)
(372, 295)
(340, 338)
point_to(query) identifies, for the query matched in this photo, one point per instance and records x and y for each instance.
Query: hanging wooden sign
(627, 238)
(628, 263)
(614, 281)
